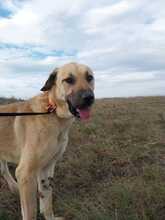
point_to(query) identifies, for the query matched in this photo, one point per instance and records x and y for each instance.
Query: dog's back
(8, 146)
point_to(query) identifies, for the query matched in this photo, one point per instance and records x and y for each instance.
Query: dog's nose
(88, 97)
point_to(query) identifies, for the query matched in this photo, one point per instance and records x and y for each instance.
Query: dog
(36, 143)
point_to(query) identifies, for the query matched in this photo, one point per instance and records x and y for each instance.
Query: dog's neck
(45, 100)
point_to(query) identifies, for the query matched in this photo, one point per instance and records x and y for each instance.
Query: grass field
(113, 168)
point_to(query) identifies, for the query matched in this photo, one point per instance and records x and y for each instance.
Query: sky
(123, 41)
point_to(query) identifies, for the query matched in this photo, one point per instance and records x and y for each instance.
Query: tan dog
(35, 143)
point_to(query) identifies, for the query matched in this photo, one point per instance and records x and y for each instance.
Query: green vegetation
(113, 168)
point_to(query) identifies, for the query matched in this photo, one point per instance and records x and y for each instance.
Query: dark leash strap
(50, 109)
(3, 114)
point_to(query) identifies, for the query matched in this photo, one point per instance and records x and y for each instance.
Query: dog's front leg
(27, 183)
(45, 181)
(45, 188)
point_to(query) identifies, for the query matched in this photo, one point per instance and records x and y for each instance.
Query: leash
(50, 109)
(3, 114)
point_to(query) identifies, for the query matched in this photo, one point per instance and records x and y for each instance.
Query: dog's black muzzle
(83, 99)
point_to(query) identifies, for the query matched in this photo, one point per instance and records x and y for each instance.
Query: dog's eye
(70, 80)
(89, 78)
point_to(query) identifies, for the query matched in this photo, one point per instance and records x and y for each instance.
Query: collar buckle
(51, 108)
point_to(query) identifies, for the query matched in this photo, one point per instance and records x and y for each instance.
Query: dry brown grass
(114, 166)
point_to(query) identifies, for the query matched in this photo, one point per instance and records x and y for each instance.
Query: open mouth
(81, 113)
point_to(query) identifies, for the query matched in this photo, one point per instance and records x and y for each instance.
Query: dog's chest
(61, 141)
(53, 139)
(58, 146)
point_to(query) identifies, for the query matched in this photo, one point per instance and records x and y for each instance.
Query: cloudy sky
(123, 41)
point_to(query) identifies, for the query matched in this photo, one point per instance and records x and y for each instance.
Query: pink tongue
(84, 113)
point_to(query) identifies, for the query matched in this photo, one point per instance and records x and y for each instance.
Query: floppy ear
(50, 81)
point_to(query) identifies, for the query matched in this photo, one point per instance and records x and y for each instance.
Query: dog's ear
(50, 81)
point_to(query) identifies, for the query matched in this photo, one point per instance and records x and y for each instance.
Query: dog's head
(72, 85)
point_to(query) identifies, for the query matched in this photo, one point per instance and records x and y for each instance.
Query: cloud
(122, 41)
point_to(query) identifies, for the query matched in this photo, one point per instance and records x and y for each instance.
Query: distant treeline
(8, 100)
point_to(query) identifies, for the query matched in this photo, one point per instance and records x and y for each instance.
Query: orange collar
(51, 107)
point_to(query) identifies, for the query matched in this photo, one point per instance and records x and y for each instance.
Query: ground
(113, 168)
